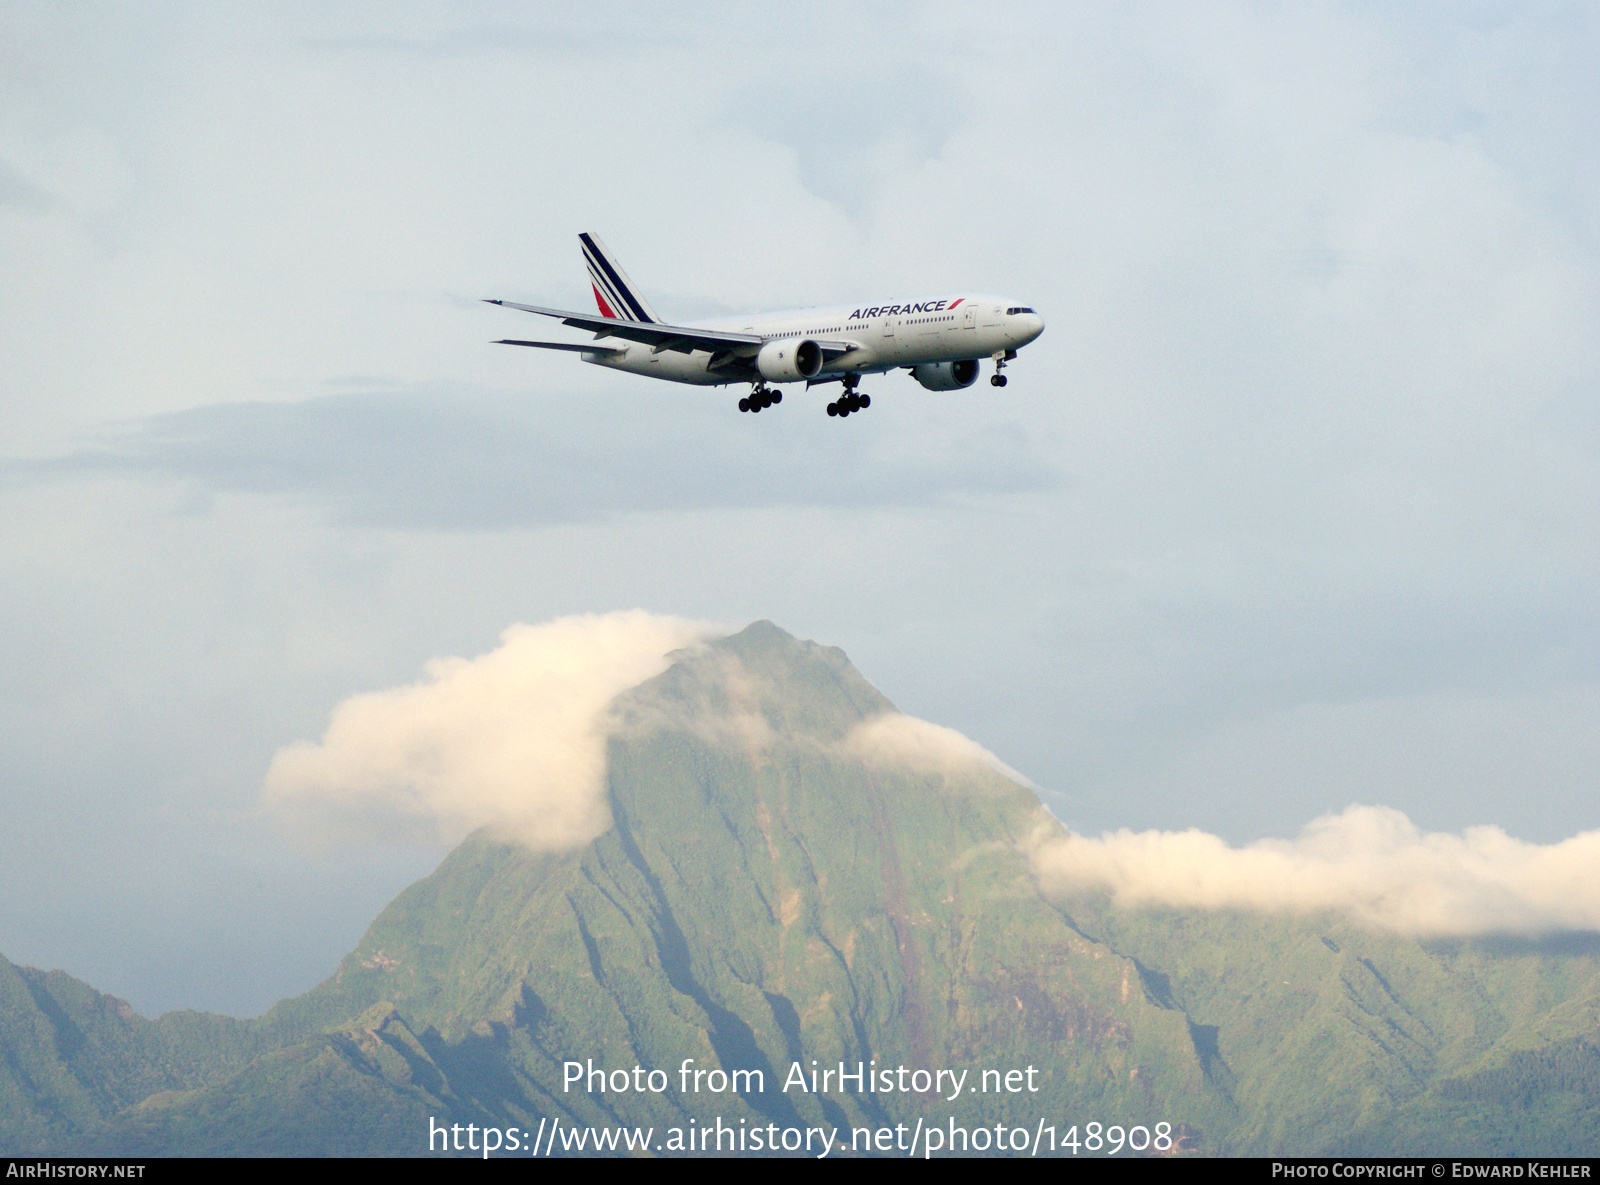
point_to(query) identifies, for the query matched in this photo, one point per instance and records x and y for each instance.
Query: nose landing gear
(1001, 357)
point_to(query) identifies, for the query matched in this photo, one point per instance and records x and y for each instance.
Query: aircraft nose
(1033, 326)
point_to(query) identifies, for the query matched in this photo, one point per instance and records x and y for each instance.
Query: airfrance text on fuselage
(895, 310)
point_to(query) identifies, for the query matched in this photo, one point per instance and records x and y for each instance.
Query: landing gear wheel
(777, 397)
(866, 401)
(1001, 357)
(744, 405)
(833, 409)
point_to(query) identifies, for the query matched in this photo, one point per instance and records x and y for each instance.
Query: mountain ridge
(794, 871)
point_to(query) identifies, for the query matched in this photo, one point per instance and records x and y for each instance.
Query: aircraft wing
(663, 337)
(742, 360)
(580, 347)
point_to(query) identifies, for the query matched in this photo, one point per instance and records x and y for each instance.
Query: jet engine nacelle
(947, 376)
(789, 360)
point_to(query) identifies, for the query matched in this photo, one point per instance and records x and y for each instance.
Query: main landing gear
(1001, 357)
(761, 396)
(849, 401)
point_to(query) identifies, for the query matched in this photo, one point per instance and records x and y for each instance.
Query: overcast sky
(1296, 503)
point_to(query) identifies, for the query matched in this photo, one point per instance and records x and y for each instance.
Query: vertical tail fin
(613, 291)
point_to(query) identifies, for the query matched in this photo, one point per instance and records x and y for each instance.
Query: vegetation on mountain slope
(782, 885)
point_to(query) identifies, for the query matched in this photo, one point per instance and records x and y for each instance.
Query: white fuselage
(889, 335)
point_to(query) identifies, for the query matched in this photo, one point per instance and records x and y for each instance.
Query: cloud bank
(513, 739)
(1370, 862)
(454, 456)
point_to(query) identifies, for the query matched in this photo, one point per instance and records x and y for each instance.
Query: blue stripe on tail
(610, 278)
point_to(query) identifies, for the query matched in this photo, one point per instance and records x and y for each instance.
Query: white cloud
(897, 739)
(1370, 862)
(514, 738)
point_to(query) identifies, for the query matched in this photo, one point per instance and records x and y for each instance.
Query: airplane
(941, 340)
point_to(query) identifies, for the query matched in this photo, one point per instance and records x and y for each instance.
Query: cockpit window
(1012, 312)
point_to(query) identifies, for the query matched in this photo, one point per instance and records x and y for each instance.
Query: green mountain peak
(798, 878)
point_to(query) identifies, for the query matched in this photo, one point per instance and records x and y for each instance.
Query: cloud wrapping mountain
(514, 739)
(1369, 861)
(903, 741)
